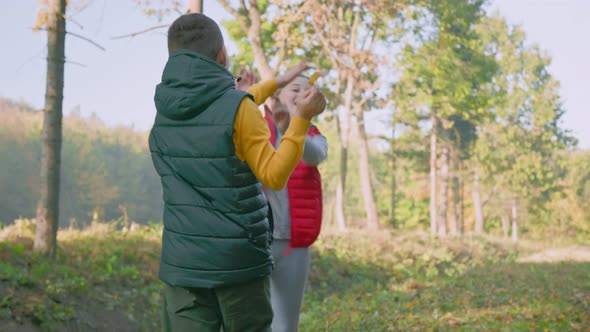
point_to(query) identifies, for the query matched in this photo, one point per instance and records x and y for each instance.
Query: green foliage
(519, 150)
(411, 213)
(360, 280)
(97, 269)
(444, 73)
(283, 36)
(244, 57)
(412, 283)
(104, 170)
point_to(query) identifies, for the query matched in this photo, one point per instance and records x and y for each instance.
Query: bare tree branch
(101, 17)
(243, 21)
(77, 64)
(297, 16)
(379, 137)
(31, 58)
(86, 39)
(280, 55)
(71, 19)
(354, 35)
(370, 37)
(71, 62)
(255, 36)
(358, 107)
(327, 47)
(130, 35)
(489, 197)
(81, 37)
(81, 9)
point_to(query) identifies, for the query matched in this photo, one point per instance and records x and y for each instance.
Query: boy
(209, 144)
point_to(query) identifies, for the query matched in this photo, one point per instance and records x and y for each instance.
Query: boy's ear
(222, 57)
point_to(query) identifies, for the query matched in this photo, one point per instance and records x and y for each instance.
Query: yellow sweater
(251, 138)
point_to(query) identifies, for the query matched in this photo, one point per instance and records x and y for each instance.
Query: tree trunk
(477, 204)
(433, 137)
(393, 174)
(505, 225)
(344, 135)
(252, 24)
(462, 220)
(455, 194)
(514, 220)
(444, 186)
(340, 186)
(338, 205)
(365, 174)
(48, 205)
(266, 72)
(194, 6)
(328, 213)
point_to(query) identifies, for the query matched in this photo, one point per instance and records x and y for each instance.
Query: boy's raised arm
(261, 91)
(251, 137)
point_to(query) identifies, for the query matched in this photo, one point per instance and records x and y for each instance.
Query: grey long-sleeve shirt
(315, 151)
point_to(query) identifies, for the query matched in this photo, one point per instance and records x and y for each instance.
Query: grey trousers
(287, 285)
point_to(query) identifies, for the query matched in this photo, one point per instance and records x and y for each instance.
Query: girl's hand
(248, 79)
(287, 77)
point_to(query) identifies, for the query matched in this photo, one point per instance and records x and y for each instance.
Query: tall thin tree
(48, 206)
(194, 6)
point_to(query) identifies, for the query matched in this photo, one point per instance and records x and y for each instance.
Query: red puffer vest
(305, 196)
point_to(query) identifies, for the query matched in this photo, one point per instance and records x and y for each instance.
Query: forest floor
(105, 279)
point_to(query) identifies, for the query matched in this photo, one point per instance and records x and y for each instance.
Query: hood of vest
(190, 83)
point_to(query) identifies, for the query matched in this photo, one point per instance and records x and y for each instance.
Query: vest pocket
(178, 299)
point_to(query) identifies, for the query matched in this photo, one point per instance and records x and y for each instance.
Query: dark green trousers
(240, 308)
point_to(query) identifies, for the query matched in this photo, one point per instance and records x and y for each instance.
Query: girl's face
(282, 104)
(288, 94)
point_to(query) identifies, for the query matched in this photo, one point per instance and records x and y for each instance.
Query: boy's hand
(291, 74)
(310, 103)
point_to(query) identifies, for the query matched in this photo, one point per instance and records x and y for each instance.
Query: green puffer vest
(216, 230)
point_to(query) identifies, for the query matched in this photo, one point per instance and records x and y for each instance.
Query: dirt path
(552, 255)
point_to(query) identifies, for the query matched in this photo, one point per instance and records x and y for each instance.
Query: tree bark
(444, 185)
(194, 6)
(264, 69)
(365, 174)
(433, 138)
(328, 212)
(340, 186)
(505, 225)
(48, 205)
(514, 220)
(393, 174)
(339, 205)
(252, 23)
(477, 204)
(344, 134)
(456, 215)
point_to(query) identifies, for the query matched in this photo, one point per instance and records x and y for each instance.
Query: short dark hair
(197, 33)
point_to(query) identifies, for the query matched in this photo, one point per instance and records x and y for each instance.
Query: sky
(118, 84)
